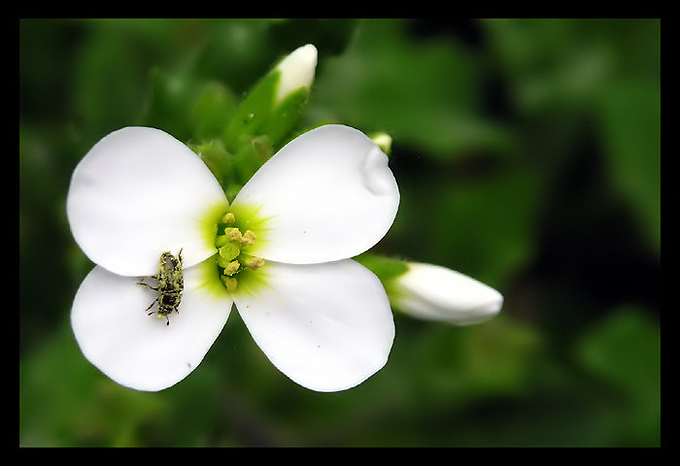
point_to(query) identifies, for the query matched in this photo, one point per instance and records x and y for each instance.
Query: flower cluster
(147, 210)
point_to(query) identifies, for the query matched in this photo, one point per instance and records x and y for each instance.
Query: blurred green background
(527, 154)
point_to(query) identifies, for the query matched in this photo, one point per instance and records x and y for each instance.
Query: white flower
(321, 318)
(433, 292)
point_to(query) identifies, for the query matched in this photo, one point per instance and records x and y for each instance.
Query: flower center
(234, 243)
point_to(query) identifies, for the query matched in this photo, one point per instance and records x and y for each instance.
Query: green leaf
(462, 365)
(624, 351)
(169, 103)
(423, 94)
(482, 226)
(65, 401)
(630, 112)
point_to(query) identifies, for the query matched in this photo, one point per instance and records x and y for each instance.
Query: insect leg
(147, 285)
(154, 302)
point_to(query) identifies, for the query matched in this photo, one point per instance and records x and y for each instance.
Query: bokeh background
(527, 154)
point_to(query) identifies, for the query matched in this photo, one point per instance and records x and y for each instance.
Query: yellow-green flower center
(234, 246)
(237, 233)
(240, 232)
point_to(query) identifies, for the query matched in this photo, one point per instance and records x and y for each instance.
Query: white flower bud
(384, 141)
(297, 70)
(433, 292)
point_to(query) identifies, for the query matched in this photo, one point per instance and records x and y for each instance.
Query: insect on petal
(116, 334)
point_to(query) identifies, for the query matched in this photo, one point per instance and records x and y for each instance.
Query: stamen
(231, 246)
(249, 238)
(232, 268)
(254, 263)
(229, 282)
(234, 234)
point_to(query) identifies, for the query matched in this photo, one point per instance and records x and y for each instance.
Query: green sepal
(259, 116)
(385, 268)
(251, 155)
(231, 190)
(251, 113)
(217, 159)
(285, 117)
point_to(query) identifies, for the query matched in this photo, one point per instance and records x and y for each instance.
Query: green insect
(170, 281)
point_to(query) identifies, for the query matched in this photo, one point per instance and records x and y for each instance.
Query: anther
(234, 234)
(232, 268)
(249, 238)
(254, 263)
(229, 282)
(228, 218)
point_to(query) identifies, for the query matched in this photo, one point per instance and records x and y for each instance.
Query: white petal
(327, 195)
(137, 193)
(436, 293)
(328, 327)
(139, 351)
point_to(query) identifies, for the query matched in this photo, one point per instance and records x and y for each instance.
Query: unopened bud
(297, 70)
(433, 292)
(384, 141)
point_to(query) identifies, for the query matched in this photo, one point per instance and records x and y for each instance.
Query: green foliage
(527, 154)
(623, 351)
(386, 81)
